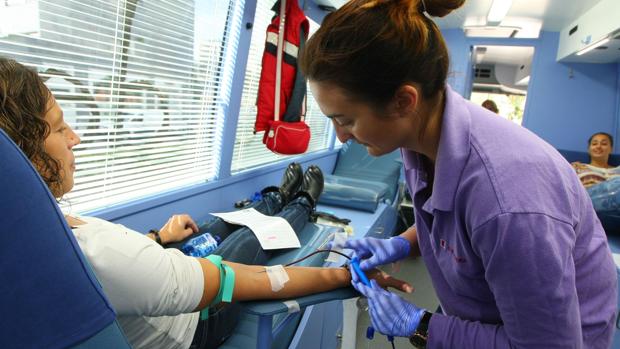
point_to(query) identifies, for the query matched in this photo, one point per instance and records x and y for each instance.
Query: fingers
(361, 288)
(354, 276)
(370, 263)
(398, 284)
(382, 312)
(359, 246)
(192, 225)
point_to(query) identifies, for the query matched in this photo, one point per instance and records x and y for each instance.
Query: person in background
(156, 292)
(598, 170)
(489, 104)
(517, 260)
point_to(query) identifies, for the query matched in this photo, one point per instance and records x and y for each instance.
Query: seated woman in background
(157, 292)
(598, 170)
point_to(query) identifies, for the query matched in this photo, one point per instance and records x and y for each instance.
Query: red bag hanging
(287, 138)
(285, 95)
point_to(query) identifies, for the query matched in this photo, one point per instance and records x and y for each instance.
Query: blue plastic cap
(370, 332)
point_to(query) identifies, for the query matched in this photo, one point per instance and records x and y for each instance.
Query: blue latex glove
(374, 252)
(389, 313)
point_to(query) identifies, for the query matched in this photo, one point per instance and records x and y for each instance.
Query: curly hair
(23, 104)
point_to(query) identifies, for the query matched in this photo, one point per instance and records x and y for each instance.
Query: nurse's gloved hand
(374, 252)
(389, 313)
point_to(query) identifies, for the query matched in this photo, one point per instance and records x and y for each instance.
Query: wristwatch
(420, 336)
(155, 233)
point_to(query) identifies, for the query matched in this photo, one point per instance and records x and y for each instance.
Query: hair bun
(439, 8)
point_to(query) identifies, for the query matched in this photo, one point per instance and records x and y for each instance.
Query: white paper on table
(272, 232)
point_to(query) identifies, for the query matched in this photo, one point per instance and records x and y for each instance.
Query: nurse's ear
(406, 100)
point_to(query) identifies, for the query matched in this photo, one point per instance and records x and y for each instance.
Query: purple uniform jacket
(516, 253)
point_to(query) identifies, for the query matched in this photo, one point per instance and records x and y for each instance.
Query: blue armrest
(277, 307)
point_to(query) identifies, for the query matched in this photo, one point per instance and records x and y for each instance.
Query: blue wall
(570, 101)
(566, 102)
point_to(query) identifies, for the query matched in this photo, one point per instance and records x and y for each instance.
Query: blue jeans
(240, 245)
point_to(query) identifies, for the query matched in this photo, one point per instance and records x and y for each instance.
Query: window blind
(144, 83)
(249, 150)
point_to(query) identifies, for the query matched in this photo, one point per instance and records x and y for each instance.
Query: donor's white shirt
(153, 290)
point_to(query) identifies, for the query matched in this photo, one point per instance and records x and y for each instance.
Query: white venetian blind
(144, 83)
(249, 150)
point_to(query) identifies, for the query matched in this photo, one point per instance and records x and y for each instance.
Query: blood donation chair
(365, 190)
(606, 196)
(303, 322)
(361, 181)
(49, 296)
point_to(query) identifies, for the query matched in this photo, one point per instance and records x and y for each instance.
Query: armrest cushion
(277, 307)
(359, 194)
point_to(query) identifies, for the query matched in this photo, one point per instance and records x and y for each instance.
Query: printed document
(272, 232)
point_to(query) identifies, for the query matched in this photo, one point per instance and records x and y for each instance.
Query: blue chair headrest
(49, 297)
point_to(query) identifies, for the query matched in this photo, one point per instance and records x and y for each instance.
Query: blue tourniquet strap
(227, 284)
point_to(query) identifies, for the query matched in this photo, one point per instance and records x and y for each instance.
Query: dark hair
(611, 139)
(23, 104)
(372, 47)
(490, 105)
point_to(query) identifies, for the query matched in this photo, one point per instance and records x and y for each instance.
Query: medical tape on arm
(337, 245)
(277, 277)
(227, 284)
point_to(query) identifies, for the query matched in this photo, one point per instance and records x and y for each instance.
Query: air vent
(482, 73)
(573, 30)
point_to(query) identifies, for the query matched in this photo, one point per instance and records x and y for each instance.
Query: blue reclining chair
(365, 189)
(362, 188)
(270, 325)
(49, 296)
(361, 181)
(606, 199)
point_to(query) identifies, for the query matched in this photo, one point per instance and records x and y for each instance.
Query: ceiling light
(498, 11)
(491, 32)
(593, 46)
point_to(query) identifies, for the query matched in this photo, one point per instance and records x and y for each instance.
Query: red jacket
(293, 85)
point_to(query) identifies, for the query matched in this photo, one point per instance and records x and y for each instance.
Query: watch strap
(419, 338)
(155, 233)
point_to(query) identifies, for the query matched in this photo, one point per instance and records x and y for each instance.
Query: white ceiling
(531, 15)
(552, 15)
